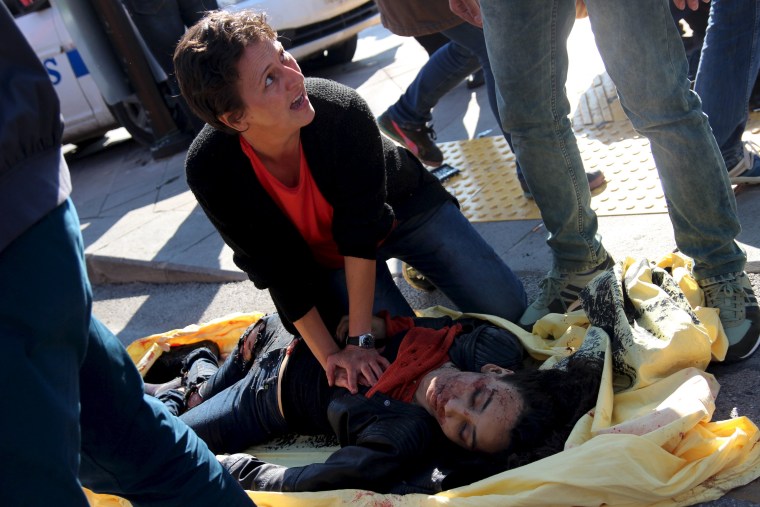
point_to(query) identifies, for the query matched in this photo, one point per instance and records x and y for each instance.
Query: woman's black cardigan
(369, 181)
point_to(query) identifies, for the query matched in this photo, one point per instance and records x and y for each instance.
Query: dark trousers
(73, 402)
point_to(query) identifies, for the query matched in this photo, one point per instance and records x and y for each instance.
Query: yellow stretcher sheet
(653, 443)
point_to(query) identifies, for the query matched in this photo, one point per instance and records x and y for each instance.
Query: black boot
(169, 364)
(199, 366)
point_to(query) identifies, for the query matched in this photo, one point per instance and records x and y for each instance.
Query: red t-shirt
(305, 205)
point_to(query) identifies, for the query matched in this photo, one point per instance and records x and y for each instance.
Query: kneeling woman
(297, 179)
(442, 386)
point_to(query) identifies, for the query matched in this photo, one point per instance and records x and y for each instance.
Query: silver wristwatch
(365, 341)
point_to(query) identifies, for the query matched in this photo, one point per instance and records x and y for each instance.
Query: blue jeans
(73, 393)
(444, 246)
(727, 71)
(229, 420)
(644, 56)
(444, 70)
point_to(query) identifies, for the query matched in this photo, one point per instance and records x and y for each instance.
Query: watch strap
(356, 340)
(361, 340)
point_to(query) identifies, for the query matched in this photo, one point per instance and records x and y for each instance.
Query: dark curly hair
(553, 401)
(206, 58)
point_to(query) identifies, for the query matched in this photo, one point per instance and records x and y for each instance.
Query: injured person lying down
(450, 382)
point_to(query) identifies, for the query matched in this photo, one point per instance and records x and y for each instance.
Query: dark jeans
(728, 71)
(527, 43)
(73, 393)
(240, 410)
(446, 68)
(444, 246)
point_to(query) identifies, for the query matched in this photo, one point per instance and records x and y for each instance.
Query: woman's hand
(378, 329)
(354, 365)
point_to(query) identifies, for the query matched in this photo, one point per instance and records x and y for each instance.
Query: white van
(326, 29)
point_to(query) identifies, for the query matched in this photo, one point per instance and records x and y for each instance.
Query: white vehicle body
(84, 111)
(312, 26)
(319, 24)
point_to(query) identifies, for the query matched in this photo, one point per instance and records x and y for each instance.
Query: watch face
(367, 341)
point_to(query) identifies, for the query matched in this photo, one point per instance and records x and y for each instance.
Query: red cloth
(305, 205)
(421, 351)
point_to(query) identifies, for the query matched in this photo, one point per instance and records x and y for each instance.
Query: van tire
(342, 53)
(132, 116)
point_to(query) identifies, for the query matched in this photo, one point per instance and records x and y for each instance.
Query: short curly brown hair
(206, 58)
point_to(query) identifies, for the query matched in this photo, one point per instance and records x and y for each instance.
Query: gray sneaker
(559, 291)
(747, 170)
(732, 294)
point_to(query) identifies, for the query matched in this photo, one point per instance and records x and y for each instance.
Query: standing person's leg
(49, 329)
(527, 42)
(444, 246)
(527, 45)
(133, 447)
(662, 107)
(444, 70)
(406, 121)
(727, 72)
(432, 42)
(130, 446)
(44, 313)
(473, 39)
(697, 21)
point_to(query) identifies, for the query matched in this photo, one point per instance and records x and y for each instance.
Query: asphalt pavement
(158, 264)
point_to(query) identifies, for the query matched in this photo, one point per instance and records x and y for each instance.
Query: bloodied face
(475, 410)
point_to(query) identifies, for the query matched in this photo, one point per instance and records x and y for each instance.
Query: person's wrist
(363, 340)
(366, 341)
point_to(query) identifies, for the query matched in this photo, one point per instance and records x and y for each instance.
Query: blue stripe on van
(77, 64)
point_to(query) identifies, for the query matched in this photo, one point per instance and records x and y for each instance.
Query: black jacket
(382, 442)
(389, 445)
(34, 178)
(367, 179)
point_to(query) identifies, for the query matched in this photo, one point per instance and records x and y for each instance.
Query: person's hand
(378, 329)
(692, 4)
(468, 10)
(359, 364)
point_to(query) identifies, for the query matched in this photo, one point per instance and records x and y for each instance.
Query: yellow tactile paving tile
(488, 190)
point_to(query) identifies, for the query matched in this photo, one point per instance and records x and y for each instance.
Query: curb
(117, 270)
(104, 269)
